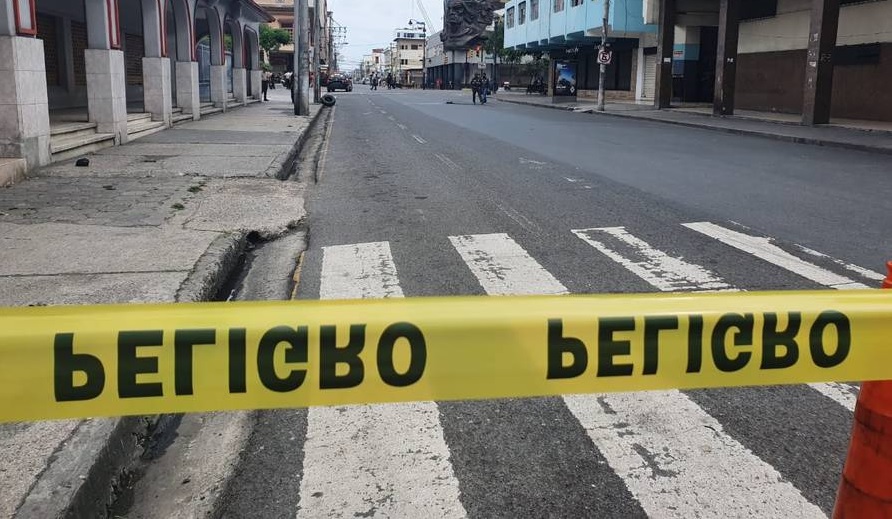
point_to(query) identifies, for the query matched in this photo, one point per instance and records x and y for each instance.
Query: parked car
(340, 83)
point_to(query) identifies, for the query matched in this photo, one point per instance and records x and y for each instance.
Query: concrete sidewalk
(161, 219)
(842, 136)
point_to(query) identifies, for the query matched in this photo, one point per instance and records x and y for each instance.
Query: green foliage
(271, 39)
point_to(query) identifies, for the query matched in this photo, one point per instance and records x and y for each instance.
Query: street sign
(605, 57)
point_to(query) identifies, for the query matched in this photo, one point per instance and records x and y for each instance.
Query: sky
(370, 23)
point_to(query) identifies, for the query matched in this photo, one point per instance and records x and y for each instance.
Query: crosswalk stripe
(387, 460)
(502, 266)
(666, 273)
(657, 442)
(762, 248)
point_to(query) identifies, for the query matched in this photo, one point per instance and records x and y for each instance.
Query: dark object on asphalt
(82, 163)
(339, 82)
(466, 22)
(450, 102)
(328, 100)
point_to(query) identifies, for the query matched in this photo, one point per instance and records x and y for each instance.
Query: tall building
(408, 56)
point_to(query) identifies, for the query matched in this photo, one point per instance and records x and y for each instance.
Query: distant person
(484, 88)
(476, 87)
(389, 81)
(374, 81)
(264, 83)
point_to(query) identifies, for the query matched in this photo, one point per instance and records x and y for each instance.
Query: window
(575, 3)
(404, 62)
(534, 10)
(404, 47)
(414, 47)
(521, 13)
(558, 5)
(510, 18)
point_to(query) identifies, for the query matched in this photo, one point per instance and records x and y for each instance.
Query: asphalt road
(422, 193)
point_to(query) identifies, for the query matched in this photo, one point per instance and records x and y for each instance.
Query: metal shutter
(650, 76)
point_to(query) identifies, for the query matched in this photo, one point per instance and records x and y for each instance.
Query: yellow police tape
(61, 362)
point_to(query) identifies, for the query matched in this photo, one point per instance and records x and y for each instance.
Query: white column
(107, 92)
(218, 86)
(187, 88)
(639, 76)
(24, 110)
(240, 85)
(156, 88)
(256, 78)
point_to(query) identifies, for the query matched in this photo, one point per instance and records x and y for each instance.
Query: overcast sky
(370, 23)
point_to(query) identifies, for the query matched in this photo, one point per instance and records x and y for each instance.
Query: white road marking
(531, 161)
(519, 218)
(383, 111)
(391, 118)
(502, 266)
(388, 460)
(763, 249)
(446, 160)
(359, 271)
(673, 457)
(574, 180)
(869, 274)
(402, 126)
(844, 394)
(419, 139)
(666, 273)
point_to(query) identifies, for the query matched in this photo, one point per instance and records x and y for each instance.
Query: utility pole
(318, 33)
(302, 59)
(603, 48)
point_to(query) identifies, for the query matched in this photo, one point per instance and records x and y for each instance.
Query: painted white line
(502, 266)
(666, 273)
(531, 161)
(446, 160)
(388, 460)
(402, 126)
(359, 271)
(391, 118)
(869, 274)
(844, 394)
(763, 249)
(383, 111)
(574, 180)
(419, 139)
(678, 461)
(673, 457)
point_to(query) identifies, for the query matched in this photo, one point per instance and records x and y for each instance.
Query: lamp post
(423, 51)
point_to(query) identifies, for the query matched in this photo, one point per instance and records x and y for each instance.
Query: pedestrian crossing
(674, 458)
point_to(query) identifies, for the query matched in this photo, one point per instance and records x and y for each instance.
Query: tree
(272, 38)
(495, 45)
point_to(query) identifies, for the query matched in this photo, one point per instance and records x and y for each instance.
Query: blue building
(570, 31)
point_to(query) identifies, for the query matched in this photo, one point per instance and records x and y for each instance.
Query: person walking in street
(476, 85)
(484, 88)
(389, 81)
(374, 81)
(264, 83)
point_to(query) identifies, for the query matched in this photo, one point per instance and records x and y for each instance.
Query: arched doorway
(210, 54)
(252, 62)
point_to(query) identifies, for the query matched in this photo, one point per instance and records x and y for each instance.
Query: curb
(282, 169)
(736, 131)
(88, 467)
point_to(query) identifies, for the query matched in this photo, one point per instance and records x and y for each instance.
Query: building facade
(816, 59)
(569, 31)
(454, 69)
(407, 56)
(77, 74)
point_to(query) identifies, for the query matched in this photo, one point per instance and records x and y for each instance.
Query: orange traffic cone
(865, 491)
